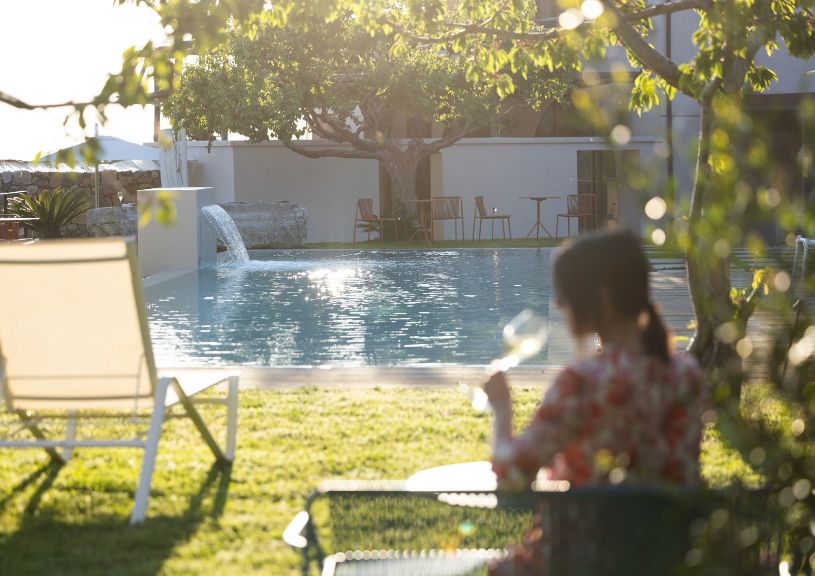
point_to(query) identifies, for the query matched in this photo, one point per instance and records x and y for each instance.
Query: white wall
(506, 170)
(213, 165)
(269, 172)
(501, 170)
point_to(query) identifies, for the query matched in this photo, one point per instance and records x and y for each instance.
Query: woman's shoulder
(615, 364)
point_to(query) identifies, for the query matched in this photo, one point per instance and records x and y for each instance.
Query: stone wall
(261, 224)
(269, 224)
(129, 177)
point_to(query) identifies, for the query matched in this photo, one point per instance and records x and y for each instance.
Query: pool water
(348, 308)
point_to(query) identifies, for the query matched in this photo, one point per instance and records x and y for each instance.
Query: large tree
(351, 88)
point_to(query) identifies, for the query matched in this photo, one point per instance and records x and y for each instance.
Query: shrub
(54, 209)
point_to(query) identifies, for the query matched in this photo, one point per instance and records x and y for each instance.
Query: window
(602, 173)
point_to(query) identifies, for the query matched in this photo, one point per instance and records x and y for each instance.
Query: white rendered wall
(500, 169)
(327, 187)
(213, 165)
(506, 170)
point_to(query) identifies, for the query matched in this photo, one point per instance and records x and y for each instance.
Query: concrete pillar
(184, 245)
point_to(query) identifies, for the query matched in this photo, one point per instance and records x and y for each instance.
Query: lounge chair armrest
(293, 535)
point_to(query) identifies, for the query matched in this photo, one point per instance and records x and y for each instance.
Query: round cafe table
(423, 226)
(538, 224)
(466, 476)
(473, 477)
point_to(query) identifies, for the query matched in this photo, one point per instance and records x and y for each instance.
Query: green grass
(73, 519)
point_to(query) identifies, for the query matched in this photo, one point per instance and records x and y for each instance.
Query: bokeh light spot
(570, 19)
(655, 208)
(591, 9)
(658, 237)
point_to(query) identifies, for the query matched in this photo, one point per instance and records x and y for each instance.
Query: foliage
(204, 102)
(159, 204)
(348, 86)
(54, 209)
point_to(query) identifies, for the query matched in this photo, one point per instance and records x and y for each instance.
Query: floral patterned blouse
(613, 417)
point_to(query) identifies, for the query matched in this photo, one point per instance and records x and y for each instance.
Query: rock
(269, 224)
(6, 176)
(112, 221)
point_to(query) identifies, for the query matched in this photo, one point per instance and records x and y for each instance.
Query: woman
(632, 412)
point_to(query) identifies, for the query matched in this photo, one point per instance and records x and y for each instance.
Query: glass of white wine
(524, 336)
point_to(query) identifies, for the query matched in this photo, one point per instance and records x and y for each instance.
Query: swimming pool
(348, 308)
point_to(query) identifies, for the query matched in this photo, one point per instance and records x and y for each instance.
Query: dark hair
(614, 262)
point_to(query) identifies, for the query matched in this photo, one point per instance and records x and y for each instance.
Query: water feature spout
(227, 232)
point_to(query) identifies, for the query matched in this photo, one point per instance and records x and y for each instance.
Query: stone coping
(422, 376)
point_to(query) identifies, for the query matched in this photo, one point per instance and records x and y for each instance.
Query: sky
(59, 50)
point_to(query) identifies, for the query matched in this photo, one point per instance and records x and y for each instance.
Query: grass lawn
(73, 520)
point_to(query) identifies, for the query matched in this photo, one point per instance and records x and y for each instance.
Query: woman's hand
(497, 390)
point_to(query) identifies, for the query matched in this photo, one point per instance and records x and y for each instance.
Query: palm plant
(53, 209)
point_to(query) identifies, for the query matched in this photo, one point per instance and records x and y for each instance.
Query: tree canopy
(349, 87)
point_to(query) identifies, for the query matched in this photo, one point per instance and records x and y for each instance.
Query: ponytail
(655, 339)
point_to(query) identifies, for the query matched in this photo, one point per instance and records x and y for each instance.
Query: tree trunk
(401, 165)
(709, 278)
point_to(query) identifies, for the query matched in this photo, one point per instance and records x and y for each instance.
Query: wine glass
(121, 196)
(524, 336)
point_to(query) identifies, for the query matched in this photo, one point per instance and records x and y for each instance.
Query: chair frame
(576, 212)
(480, 213)
(802, 246)
(167, 391)
(564, 503)
(441, 200)
(365, 213)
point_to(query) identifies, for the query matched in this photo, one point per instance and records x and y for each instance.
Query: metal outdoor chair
(577, 206)
(389, 528)
(448, 208)
(365, 213)
(480, 213)
(802, 246)
(9, 229)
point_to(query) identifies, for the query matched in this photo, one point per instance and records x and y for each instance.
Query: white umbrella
(109, 149)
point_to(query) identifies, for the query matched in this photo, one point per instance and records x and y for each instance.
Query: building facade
(540, 153)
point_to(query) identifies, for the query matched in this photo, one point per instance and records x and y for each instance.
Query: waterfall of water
(227, 231)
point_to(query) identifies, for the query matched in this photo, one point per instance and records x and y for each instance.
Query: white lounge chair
(75, 344)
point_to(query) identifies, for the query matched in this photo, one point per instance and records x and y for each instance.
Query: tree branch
(668, 8)
(483, 28)
(645, 54)
(23, 105)
(328, 152)
(341, 133)
(736, 73)
(448, 140)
